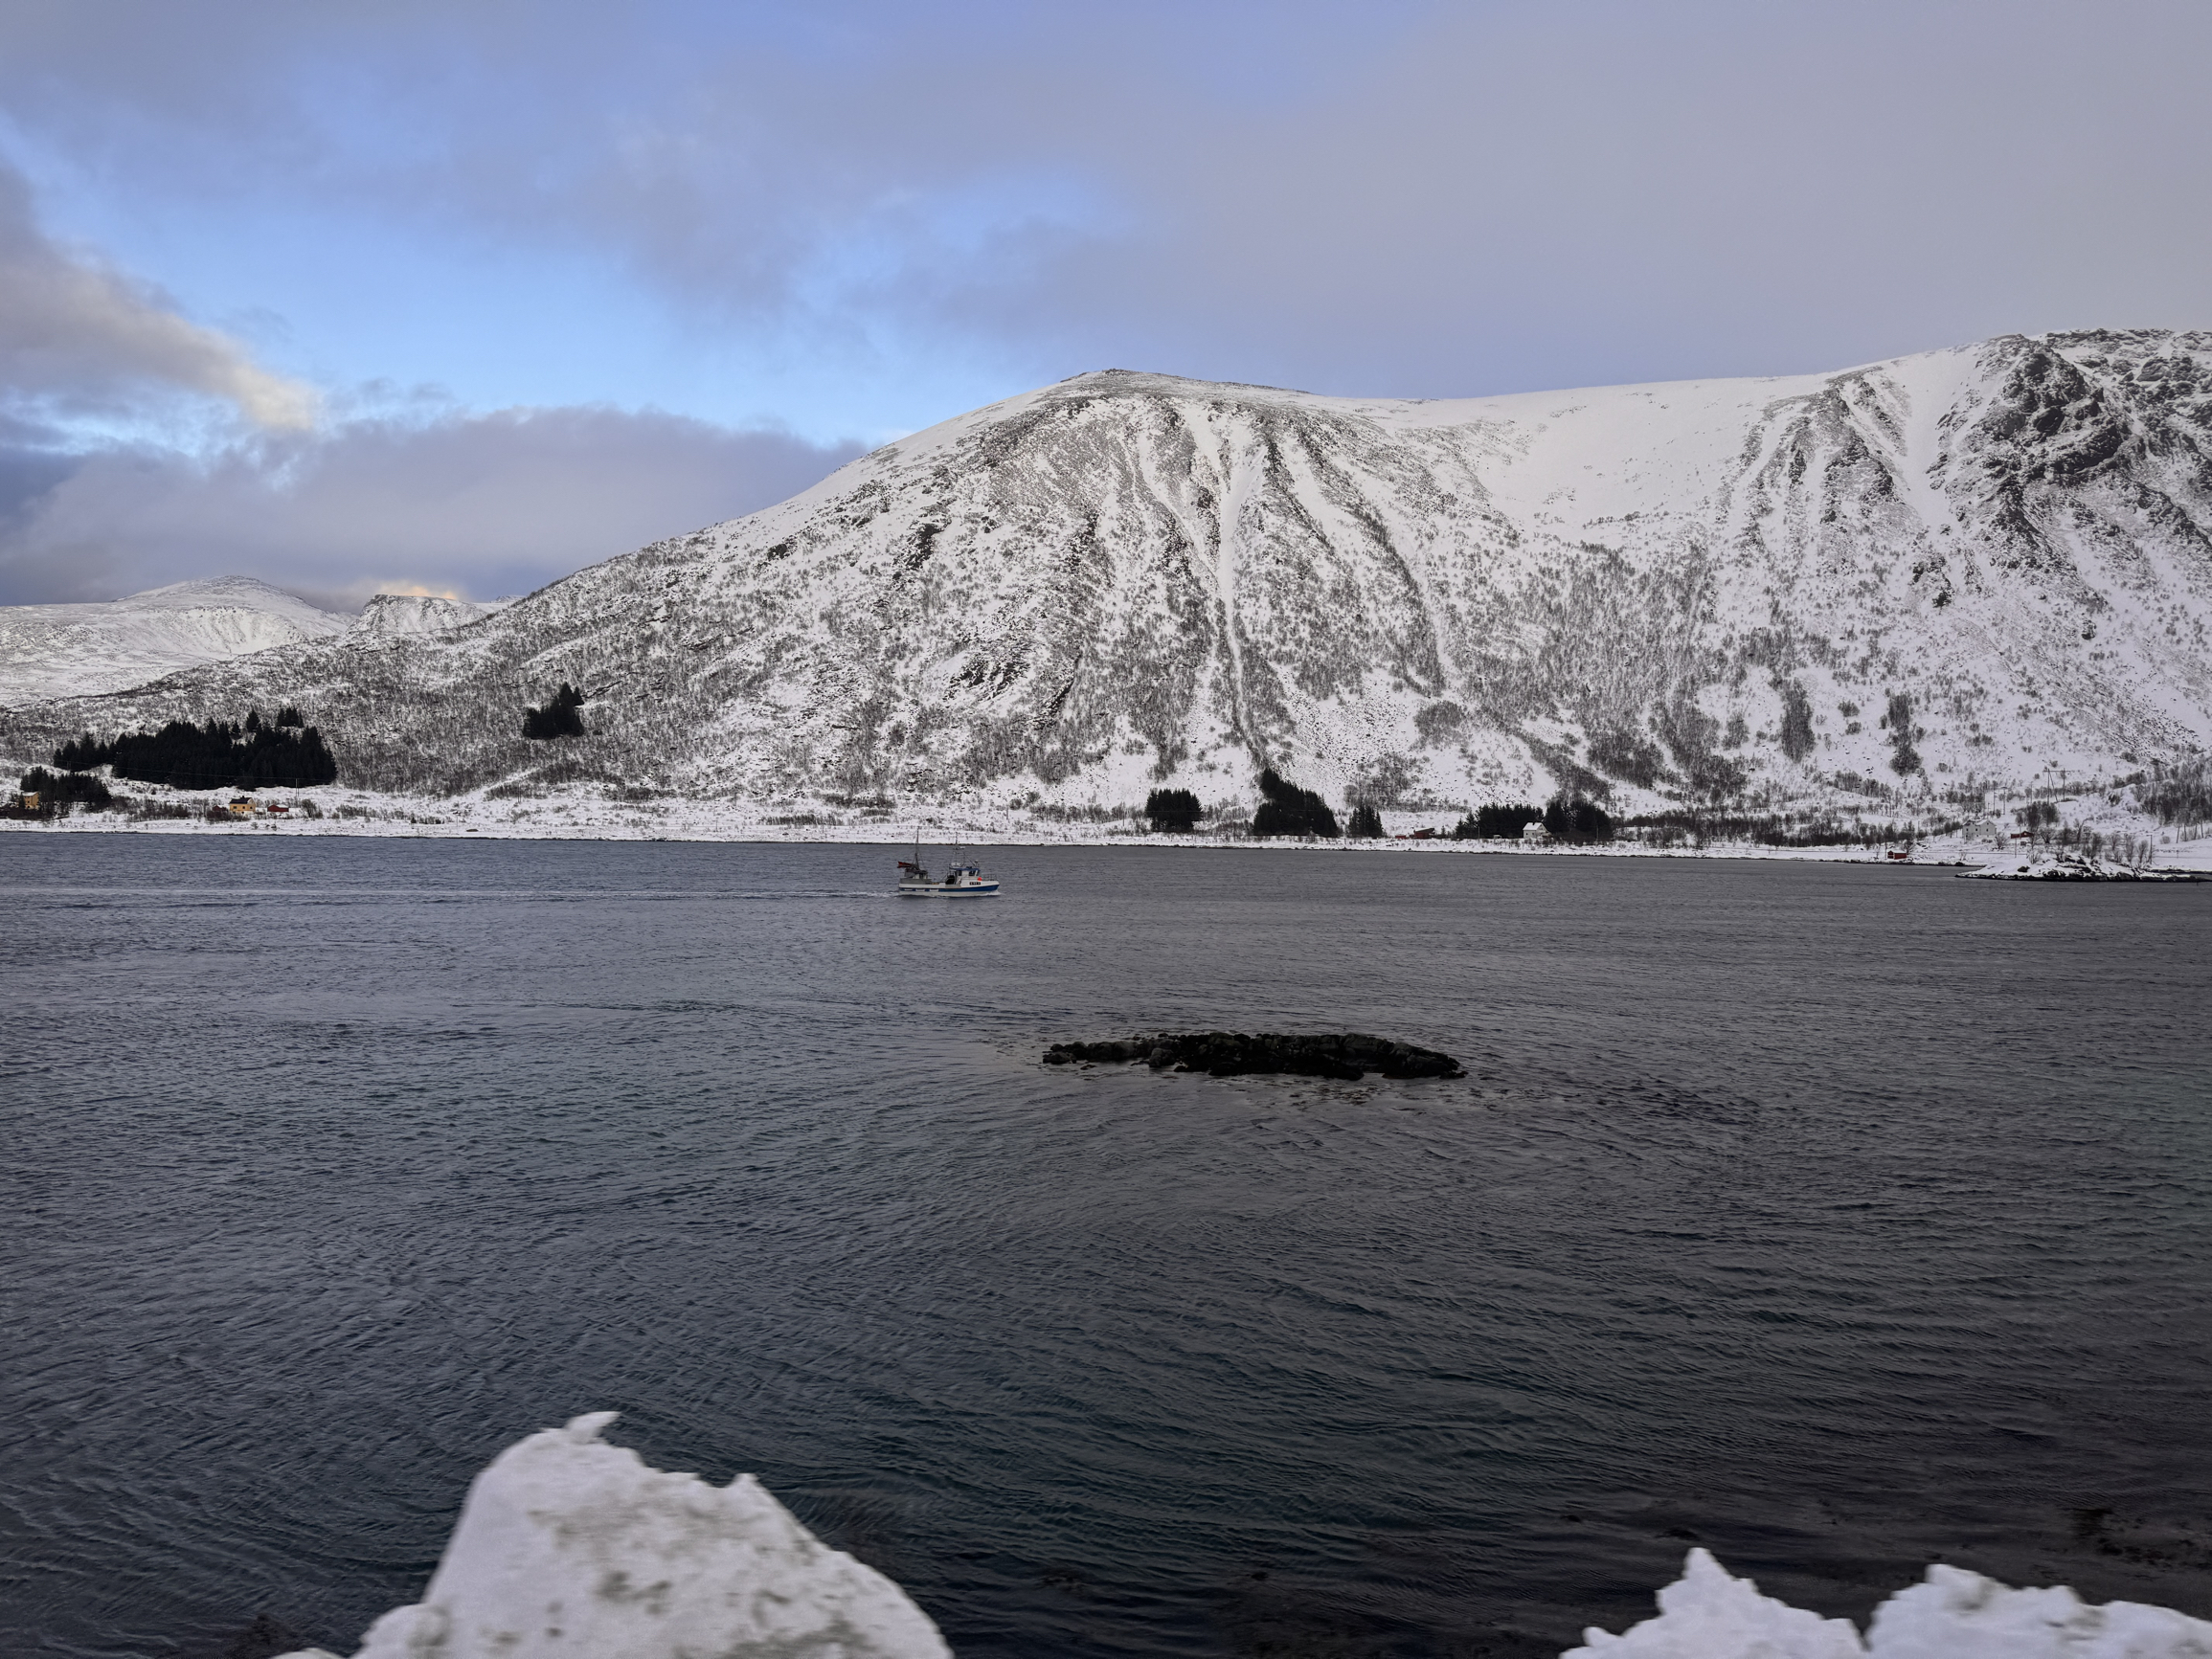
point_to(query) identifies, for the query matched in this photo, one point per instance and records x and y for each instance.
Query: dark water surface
(1839, 1219)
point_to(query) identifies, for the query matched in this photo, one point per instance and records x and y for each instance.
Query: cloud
(77, 337)
(1373, 197)
(480, 505)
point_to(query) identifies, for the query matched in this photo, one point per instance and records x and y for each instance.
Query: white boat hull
(938, 890)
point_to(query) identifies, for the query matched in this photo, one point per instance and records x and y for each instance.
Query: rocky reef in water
(1347, 1055)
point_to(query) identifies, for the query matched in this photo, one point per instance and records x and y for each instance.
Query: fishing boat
(963, 880)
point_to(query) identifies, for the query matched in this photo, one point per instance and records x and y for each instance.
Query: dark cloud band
(480, 505)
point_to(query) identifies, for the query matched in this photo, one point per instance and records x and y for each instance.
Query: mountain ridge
(1958, 573)
(111, 645)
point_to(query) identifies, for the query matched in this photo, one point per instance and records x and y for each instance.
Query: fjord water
(1840, 1219)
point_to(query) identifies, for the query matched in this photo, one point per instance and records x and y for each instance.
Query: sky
(459, 296)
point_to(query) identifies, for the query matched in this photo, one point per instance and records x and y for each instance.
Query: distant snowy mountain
(84, 650)
(388, 615)
(1965, 571)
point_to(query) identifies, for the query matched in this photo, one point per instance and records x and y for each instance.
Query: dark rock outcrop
(1347, 1055)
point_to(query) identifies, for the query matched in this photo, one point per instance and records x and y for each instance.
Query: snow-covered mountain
(84, 650)
(1968, 568)
(388, 615)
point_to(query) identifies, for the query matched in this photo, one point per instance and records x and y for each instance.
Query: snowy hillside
(84, 650)
(1972, 569)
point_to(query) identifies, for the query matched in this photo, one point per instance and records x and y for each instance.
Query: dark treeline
(1565, 819)
(1291, 811)
(1172, 811)
(2180, 794)
(1577, 821)
(1497, 822)
(69, 786)
(558, 718)
(1772, 830)
(221, 754)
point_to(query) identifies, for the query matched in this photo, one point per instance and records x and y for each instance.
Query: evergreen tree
(218, 755)
(1797, 721)
(73, 786)
(1365, 824)
(1172, 811)
(81, 755)
(558, 718)
(1903, 758)
(1498, 822)
(1576, 820)
(1291, 811)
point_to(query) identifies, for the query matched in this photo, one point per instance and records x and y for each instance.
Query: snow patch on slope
(91, 649)
(568, 1546)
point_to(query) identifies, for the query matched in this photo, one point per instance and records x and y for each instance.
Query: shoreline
(589, 815)
(613, 822)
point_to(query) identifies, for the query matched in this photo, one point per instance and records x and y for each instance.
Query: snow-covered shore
(2044, 864)
(594, 816)
(570, 1547)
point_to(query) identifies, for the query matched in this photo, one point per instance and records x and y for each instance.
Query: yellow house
(241, 808)
(30, 800)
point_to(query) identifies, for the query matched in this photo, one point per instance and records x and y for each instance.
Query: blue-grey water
(1840, 1219)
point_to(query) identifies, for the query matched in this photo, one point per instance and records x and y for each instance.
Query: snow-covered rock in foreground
(390, 616)
(1710, 1614)
(92, 649)
(1962, 1615)
(570, 1547)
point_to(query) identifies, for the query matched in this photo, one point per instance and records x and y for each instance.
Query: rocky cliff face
(1958, 570)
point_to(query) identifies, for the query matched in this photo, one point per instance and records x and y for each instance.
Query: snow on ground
(1708, 1613)
(599, 813)
(568, 1546)
(2063, 864)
